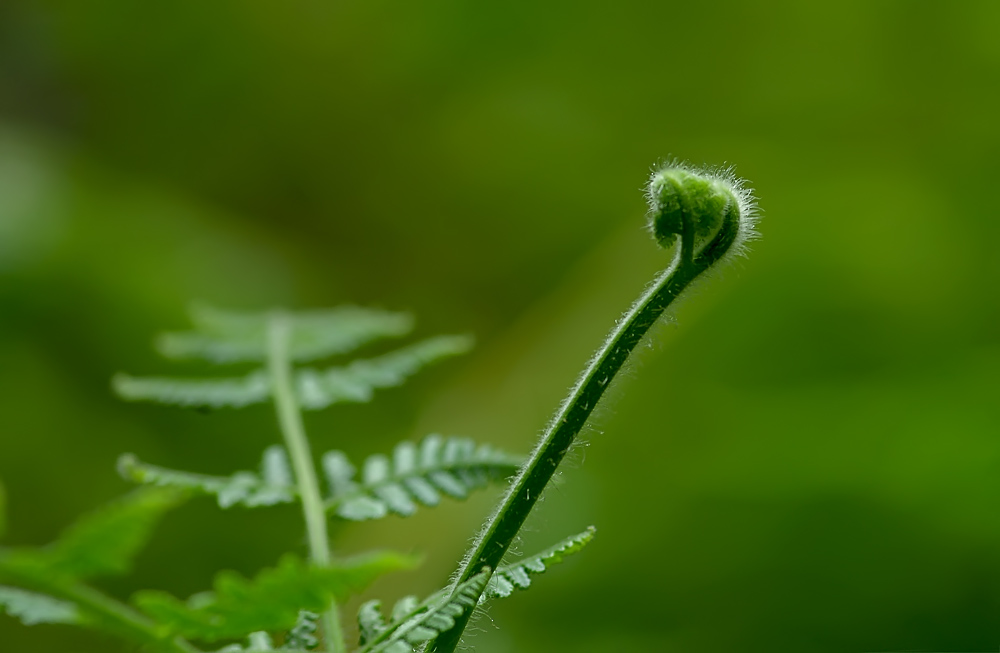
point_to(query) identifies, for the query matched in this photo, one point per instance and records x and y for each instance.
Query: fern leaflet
(435, 617)
(357, 382)
(235, 392)
(258, 643)
(271, 601)
(303, 633)
(315, 389)
(272, 486)
(32, 608)
(413, 623)
(404, 608)
(416, 474)
(299, 639)
(232, 337)
(99, 544)
(517, 575)
(371, 623)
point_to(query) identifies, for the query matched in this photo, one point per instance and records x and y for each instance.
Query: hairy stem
(501, 529)
(290, 420)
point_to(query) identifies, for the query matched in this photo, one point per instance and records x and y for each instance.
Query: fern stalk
(290, 421)
(684, 204)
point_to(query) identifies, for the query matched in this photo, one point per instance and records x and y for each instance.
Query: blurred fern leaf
(232, 337)
(357, 381)
(415, 474)
(274, 484)
(517, 575)
(303, 633)
(316, 389)
(234, 392)
(258, 643)
(100, 544)
(32, 608)
(371, 623)
(404, 607)
(271, 601)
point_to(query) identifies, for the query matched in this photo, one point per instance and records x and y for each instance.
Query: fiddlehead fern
(710, 215)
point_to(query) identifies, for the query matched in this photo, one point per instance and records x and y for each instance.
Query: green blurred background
(809, 458)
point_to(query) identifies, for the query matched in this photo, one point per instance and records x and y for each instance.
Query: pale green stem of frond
(290, 420)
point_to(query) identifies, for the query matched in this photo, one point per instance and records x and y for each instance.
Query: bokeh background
(806, 459)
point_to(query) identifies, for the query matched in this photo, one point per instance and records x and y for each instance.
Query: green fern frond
(317, 389)
(260, 642)
(404, 607)
(371, 622)
(233, 337)
(235, 392)
(32, 608)
(428, 623)
(271, 601)
(256, 643)
(100, 544)
(518, 574)
(274, 485)
(416, 474)
(412, 624)
(303, 633)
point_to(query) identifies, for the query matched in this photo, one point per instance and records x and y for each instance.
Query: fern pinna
(294, 606)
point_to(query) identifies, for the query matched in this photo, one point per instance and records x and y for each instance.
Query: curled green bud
(697, 205)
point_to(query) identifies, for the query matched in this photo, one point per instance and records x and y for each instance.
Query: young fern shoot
(706, 216)
(710, 215)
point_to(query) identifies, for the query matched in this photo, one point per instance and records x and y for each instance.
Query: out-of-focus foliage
(228, 337)
(102, 543)
(811, 456)
(32, 608)
(303, 634)
(271, 600)
(272, 486)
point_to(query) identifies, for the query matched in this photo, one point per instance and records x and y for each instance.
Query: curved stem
(503, 526)
(290, 420)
